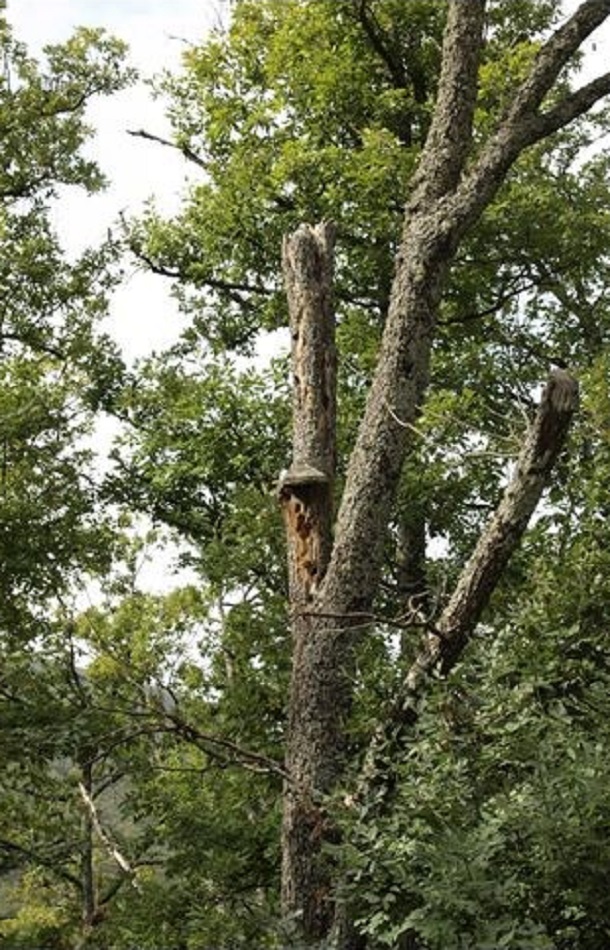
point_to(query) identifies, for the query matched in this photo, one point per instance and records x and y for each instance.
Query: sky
(143, 315)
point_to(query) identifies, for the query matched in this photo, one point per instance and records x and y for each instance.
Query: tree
(141, 802)
(446, 198)
(460, 193)
(56, 369)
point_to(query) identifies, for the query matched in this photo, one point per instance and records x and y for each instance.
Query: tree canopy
(423, 765)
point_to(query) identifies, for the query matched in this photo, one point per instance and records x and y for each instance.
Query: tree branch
(504, 532)
(255, 761)
(449, 138)
(105, 838)
(523, 125)
(187, 152)
(381, 45)
(233, 290)
(32, 856)
(480, 576)
(554, 55)
(572, 106)
(504, 298)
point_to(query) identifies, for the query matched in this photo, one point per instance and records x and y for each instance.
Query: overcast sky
(143, 315)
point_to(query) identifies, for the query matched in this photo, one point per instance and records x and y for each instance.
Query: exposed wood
(306, 489)
(89, 903)
(110, 846)
(306, 498)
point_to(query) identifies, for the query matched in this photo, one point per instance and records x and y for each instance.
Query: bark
(314, 732)
(323, 648)
(450, 192)
(505, 530)
(87, 870)
(306, 488)
(401, 378)
(443, 647)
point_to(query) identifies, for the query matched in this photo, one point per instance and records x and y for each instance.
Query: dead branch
(109, 844)
(187, 152)
(499, 540)
(254, 761)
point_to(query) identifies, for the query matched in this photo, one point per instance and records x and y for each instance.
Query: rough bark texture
(505, 530)
(448, 196)
(442, 648)
(314, 734)
(306, 488)
(426, 250)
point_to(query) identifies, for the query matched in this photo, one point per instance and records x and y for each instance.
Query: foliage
(306, 111)
(55, 368)
(170, 707)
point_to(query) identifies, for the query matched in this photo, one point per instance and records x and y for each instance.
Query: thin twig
(254, 761)
(187, 152)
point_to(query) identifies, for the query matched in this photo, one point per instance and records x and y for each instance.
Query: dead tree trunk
(306, 500)
(330, 585)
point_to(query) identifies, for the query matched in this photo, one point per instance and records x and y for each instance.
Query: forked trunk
(333, 583)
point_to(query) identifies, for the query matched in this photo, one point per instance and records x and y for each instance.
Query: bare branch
(33, 856)
(38, 346)
(187, 152)
(573, 106)
(105, 838)
(480, 576)
(160, 269)
(523, 124)
(554, 55)
(381, 44)
(233, 290)
(504, 532)
(504, 298)
(255, 761)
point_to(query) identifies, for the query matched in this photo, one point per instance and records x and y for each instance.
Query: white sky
(143, 315)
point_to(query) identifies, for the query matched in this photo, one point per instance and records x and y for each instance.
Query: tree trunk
(314, 736)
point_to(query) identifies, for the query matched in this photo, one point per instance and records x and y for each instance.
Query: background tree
(56, 369)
